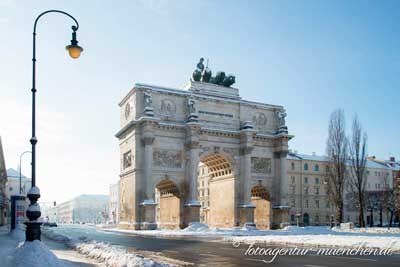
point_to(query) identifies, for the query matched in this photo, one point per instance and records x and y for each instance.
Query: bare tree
(336, 149)
(358, 162)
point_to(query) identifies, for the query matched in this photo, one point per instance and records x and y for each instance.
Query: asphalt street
(204, 252)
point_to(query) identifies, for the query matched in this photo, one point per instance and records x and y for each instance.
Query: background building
(309, 199)
(114, 203)
(13, 183)
(3, 181)
(82, 209)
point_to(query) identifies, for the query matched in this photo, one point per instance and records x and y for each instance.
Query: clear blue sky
(309, 56)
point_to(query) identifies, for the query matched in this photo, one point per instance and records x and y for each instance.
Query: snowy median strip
(312, 236)
(114, 256)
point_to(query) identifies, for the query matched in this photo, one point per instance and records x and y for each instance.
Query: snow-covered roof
(298, 156)
(12, 173)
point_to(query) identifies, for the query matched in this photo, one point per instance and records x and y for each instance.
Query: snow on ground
(313, 236)
(111, 255)
(14, 251)
(35, 254)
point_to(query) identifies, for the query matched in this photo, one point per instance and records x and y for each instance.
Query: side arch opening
(169, 213)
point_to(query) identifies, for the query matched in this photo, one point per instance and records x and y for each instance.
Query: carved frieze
(260, 165)
(167, 158)
(127, 159)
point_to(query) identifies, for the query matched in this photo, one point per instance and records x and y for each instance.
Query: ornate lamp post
(33, 212)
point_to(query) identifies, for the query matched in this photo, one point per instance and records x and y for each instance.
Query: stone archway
(216, 190)
(262, 214)
(170, 214)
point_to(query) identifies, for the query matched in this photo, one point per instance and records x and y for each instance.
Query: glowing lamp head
(74, 49)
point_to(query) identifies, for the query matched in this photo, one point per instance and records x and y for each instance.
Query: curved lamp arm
(55, 11)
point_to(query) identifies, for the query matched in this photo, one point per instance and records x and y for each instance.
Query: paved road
(212, 253)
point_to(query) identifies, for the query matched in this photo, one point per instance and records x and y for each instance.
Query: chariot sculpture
(204, 74)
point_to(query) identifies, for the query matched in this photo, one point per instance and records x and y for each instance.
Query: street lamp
(20, 170)
(33, 212)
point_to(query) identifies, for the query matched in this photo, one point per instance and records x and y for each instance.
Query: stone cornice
(180, 92)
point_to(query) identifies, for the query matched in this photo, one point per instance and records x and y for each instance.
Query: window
(306, 180)
(292, 179)
(292, 217)
(293, 167)
(292, 189)
(317, 190)
(306, 203)
(317, 180)
(316, 167)
(328, 205)
(292, 203)
(305, 190)
(127, 160)
(317, 203)
(305, 166)
(317, 218)
(327, 217)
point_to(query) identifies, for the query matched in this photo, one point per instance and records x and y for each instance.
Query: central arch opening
(216, 191)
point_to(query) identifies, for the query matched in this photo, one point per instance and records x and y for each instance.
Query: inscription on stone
(215, 114)
(260, 165)
(167, 158)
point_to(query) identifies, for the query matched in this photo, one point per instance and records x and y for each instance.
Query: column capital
(148, 139)
(246, 150)
(281, 154)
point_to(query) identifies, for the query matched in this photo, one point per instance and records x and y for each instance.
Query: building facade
(82, 209)
(114, 204)
(309, 200)
(165, 135)
(3, 187)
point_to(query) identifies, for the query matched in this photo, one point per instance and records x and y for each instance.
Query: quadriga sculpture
(196, 75)
(206, 77)
(229, 80)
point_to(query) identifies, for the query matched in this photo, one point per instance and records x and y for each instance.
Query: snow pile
(197, 227)
(372, 230)
(35, 254)
(115, 256)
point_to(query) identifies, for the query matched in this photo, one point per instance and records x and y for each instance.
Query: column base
(33, 231)
(246, 216)
(281, 217)
(191, 213)
(148, 215)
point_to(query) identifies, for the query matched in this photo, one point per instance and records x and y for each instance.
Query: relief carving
(168, 107)
(260, 165)
(167, 158)
(259, 119)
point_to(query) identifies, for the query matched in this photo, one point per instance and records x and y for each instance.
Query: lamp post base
(33, 231)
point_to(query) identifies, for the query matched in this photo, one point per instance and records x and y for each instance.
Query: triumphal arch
(169, 136)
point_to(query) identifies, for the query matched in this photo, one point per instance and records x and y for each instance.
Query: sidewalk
(67, 257)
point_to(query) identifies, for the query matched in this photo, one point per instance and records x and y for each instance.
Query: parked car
(50, 224)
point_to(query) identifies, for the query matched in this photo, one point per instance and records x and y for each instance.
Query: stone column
(192, 205)
(284, 180)
(281, 210)
(148, 205)
(246, 208)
